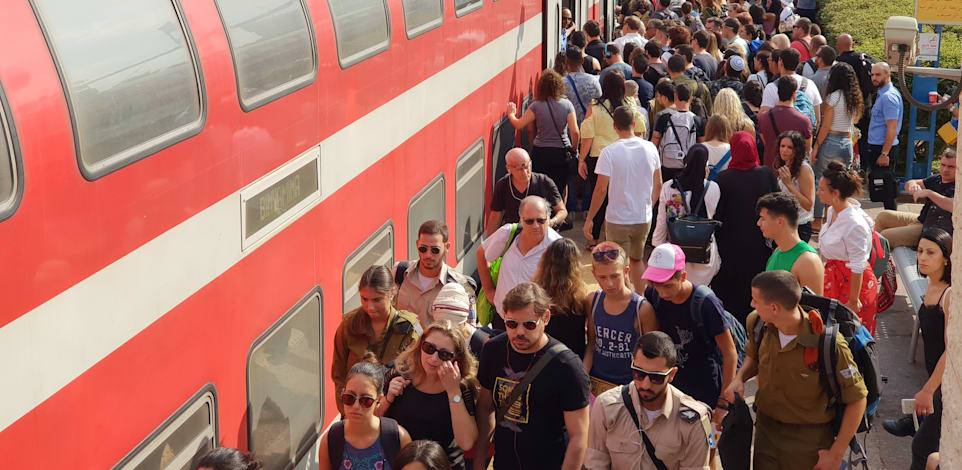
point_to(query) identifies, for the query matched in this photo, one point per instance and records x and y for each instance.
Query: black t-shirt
(933, 215)
(596, 49)
(532, 434)
(645, 92)
(428, 416)
(699, 366)
(507, 198)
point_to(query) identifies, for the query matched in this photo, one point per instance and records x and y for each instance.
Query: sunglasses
(656, 378)
(528, 325)
(348, 399)
(540, 221)
(429, 349)
(434, 249)
(601, 255)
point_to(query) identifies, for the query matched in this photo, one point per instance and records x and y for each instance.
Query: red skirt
(838, 280)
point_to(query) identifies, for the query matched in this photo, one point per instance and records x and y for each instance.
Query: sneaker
(900, 427)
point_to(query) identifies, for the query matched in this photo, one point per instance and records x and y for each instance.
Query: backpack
(810, 63)
(390, 441)
(837, 318)
(678, 138)
(802, 102)
(884, 268)
(739, 335)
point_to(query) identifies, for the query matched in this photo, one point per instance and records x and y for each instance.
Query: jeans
(834, 147)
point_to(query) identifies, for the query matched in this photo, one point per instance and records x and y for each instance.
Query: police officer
(660, 428)
(793, 429)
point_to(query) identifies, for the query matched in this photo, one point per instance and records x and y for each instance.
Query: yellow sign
(945, 12)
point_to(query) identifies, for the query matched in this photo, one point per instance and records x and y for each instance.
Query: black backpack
(390, 441)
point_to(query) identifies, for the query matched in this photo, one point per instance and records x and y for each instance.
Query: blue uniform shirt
(887, 106)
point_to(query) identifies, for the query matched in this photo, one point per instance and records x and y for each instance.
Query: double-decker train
(190, 189)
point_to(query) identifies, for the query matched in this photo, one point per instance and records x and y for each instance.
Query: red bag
(887, 279)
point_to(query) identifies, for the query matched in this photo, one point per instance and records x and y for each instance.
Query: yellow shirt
(600, 126)
(788, 391)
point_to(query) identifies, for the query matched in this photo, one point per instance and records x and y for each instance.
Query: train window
(11, 172)
(463, 7)
(377, 249)
(284, 386)
(272, 43)
(362, 29)
(427, 205)
(181, 441)
(469, 198)
(421, 16)
(130, 74)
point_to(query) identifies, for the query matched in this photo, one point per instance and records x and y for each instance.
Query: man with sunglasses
(520, 259)
(676, 425)
(519, 183)
(420, 281)
(707, 358)
(546, 425)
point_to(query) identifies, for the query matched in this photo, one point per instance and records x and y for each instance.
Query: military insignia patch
(689, 416)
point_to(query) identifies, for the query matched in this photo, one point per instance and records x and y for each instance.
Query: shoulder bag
(572, 153)
(529, 377)
(649, 447)
(485, 309)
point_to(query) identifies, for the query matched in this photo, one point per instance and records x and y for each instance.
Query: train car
(190, 189)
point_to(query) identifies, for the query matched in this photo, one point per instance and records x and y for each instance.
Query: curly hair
(550, 86)
(842, 77)
(799, 150)
(559, 274)
(729, 105)
(408, 363)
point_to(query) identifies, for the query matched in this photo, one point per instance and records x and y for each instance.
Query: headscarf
(452, 304)
(692, 177)
(744, 152)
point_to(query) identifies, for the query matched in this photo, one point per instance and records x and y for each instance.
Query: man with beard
(545, 424)
(649, 418)
(420, 281)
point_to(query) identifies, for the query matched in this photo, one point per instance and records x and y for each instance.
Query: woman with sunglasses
(376, 326)
(362, 441)
(559, 274)
(432, 388)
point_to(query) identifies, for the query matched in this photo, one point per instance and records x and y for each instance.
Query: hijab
(692, 177)
(744, 152)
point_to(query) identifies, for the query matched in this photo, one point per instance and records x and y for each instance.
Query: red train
(190, 189)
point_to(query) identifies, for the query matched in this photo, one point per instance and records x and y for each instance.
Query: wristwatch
(456, 398)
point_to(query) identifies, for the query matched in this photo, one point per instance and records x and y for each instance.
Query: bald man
(862, 65)
(886, 120)
(519, 183)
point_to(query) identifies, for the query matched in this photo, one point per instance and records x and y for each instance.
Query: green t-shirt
(784, 260)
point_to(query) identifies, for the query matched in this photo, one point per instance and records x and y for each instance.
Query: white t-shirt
(515, 267)
(630, 164)
(785, 339)
(716, 153)
(651, 414)
(636, 38)
(770, 95)
(426, 282)
(841, 120)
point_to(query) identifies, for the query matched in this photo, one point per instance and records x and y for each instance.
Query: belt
(797, 425)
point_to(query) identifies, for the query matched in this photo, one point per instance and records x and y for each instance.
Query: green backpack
(487, 311)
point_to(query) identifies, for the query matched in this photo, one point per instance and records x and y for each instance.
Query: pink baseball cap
(665, 260)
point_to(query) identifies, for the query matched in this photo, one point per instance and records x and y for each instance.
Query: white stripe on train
(50, 346)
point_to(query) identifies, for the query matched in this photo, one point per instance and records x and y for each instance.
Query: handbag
(881, 184)
(572, 153)
(485, 310)
(692, 233)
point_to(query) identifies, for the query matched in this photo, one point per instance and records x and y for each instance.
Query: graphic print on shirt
(519, 411)
(612, 343)
(684, 337)
(364, 462)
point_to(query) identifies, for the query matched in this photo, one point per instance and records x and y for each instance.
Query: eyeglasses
(528, 325)
(434, 249)
(609, 254)
(518, 167)
(539, 220)
(656, 378)
(444, 355)
(348, 399)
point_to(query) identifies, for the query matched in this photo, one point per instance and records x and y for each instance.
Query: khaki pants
(900, 228)
(782, 446)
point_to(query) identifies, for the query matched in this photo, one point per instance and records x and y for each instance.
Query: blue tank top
(615, 338)
(371, 458)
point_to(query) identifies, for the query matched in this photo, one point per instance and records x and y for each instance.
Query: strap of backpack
(718, 167)
(577, 95)
(335, 444)
(828, 359)
(626, 397)
(671, 122)
(757, 332)
(400, 272)
(772, 118)
(528, 378)
(697, 300)
(390, 439)
(701, 203)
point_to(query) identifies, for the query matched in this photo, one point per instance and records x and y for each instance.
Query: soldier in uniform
(660, 423)
(793, 429)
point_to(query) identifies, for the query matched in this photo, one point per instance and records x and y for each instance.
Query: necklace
(511, 187)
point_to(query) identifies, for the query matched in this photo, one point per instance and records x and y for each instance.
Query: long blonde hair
(408, 363)
(727, 104)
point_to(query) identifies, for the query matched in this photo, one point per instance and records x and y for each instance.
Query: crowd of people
(721, 138)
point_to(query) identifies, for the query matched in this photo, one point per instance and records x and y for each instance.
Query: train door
(607, 19)
(551, 32)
